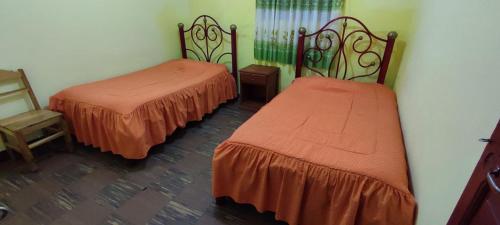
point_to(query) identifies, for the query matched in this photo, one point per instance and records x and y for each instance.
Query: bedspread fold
(128, 114)
(322, 152)
(300, 192)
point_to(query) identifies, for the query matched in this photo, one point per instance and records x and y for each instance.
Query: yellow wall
(241, 13)
(380, 17)
(448, 98)
(227, 12)
(384, 16)
(66, 42)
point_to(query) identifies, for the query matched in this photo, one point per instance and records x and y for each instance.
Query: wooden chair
(15, 129)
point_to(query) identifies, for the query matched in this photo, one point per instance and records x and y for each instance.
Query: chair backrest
(6, 75)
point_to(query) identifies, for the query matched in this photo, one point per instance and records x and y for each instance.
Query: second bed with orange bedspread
(324, 151)
(128, 114)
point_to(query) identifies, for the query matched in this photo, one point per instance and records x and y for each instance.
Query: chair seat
(28, 119)
(17, 129)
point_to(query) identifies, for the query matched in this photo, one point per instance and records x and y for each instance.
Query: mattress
(128, 114)
(324, 151)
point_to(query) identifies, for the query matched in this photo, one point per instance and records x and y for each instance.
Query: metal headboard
(341, 35)
(207, 37)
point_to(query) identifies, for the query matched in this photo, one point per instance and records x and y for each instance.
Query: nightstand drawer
(250, 78)
(259, 84)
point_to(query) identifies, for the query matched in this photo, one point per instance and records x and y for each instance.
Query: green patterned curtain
(278, 22)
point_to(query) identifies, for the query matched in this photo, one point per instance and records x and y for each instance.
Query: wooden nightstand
(259, 84)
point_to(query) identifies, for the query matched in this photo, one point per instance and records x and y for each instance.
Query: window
(278, 22)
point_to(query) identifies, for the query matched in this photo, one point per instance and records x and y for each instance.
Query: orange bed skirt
(303, 193)
(129, 114)
(323, 152)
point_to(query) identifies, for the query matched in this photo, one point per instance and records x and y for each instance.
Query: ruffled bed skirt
(132, 135)
(303, 193)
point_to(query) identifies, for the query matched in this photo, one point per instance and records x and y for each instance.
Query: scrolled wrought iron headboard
(207, 37)
(341, 35)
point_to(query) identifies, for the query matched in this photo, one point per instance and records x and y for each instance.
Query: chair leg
(26, 153)
(3, 137)
(67, 136)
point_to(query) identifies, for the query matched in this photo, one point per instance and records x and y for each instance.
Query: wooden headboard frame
(336, 41)
(207, 36)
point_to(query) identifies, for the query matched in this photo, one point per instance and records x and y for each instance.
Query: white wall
(448, 93)
(61, 43)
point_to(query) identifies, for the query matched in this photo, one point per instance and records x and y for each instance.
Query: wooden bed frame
(341, 35)
(207, 36)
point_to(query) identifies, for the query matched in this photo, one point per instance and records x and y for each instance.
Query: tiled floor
(171, 186)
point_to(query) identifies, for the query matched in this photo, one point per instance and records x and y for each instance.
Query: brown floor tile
(171, 186)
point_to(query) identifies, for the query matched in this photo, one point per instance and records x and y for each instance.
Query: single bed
(324, 151)
(129, 114)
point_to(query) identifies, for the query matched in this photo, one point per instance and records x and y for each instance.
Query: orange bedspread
(323, 152)
(130, 113)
